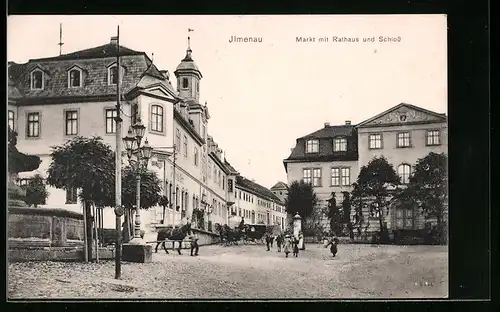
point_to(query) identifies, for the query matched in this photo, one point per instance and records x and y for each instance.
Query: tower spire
(60, 44)
(188, 51)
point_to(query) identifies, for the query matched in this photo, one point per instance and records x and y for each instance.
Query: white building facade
(330, 158)
(53, 100)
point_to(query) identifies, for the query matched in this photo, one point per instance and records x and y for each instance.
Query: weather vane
(60, 44)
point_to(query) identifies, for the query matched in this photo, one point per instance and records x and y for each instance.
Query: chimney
(114, 40)
(327, 124)
(347, 122)
(165, 74)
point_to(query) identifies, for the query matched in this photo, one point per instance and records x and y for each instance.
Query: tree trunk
(440, 228)
(88, 218)
(163, 218)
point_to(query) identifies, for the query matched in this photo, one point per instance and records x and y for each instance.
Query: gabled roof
(418, 115)
(229, 167)
(94, 64)
(279, 186)
(103, 51)
(257, 189)
(331, 132)
(325, 137)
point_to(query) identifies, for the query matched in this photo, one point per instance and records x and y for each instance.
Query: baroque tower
(188, 77)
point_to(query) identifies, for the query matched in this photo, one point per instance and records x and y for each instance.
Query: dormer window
(37, 82)
(312, 146)
(113, 75)
(185, 83)
(75, 78)
(340, 145)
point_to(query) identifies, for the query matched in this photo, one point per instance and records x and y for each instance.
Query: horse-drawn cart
(255, 233)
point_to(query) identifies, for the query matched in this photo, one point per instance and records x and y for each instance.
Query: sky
(262, 96)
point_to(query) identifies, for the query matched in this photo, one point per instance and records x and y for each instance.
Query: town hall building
(52, 100)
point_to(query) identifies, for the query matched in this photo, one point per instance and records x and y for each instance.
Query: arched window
(340, 145)
(74, 78)
(404, 171)
(113, 74)
(37, 81)
(157, 118)
(185, 83)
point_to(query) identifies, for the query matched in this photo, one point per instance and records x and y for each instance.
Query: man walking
(194, 244)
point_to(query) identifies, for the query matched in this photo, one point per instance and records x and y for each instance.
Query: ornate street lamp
(142, 154)
(139, 130)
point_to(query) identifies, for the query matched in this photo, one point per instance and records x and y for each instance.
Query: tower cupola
(188, 77)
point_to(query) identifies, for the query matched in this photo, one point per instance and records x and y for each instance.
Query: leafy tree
(428, 188)
(36, 191)
(333, 215)
(301, 199)
(375, 180)
(87, 164)
(163, 202)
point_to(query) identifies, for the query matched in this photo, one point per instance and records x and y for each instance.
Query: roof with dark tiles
(94, 64)
(257, 189)
(103, 51)
(279, 186)
(326, 137)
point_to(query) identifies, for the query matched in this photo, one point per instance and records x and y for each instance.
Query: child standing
(333, 243)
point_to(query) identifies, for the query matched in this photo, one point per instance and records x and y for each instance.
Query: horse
(175, 234)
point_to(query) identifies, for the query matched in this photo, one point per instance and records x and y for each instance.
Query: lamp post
(142, 155)
(137, 250)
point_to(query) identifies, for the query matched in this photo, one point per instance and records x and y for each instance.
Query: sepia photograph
(217, 157)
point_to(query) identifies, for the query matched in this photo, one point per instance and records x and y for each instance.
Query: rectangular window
(185, 146)
(113, 75)
(71, 195)
(307, 175)
(404, 219)
(110, 120)
(11, 122)
(312, 146)
(157, 118)
(433, 137)
(403, 139)
(134, 112)
(346, 176)
(223, 182)
(75, 78)
(335, 177)
(71, 122)
(375, 141)
(37, 80)
(340, 145)
(178, 140)
(317, 177)
(33, 126)
(196, 156)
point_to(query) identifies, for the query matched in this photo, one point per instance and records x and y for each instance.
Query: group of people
(291, 244)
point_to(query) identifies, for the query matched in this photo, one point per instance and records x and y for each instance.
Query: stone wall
(44, 234)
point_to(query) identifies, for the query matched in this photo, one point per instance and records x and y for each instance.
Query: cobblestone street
(358, 271)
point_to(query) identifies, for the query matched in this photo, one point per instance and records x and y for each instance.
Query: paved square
(358, 271)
